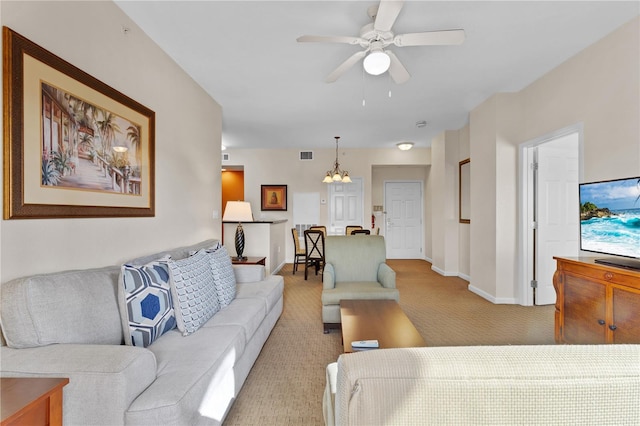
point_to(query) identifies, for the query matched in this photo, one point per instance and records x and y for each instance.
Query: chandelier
(337, 174)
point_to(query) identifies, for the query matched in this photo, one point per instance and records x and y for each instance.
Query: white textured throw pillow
(223, 276)
(194, 294)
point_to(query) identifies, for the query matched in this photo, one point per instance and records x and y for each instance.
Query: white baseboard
(465, 277)
(491, 298)
(280, 266)
(443, 273)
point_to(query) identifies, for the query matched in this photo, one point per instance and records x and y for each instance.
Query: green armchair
(354, 268)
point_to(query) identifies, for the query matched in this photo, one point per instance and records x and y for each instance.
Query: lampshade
(404, 146)
(237, 211)
(376, 62)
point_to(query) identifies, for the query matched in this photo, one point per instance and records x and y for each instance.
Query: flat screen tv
(610, 220)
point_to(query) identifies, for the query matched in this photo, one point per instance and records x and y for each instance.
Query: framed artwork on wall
(273, 197)
(73, 146)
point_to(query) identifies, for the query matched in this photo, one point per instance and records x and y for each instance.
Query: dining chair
(350, 228)
(314, 250)
(360, 232)
(299, 255)
(321, 228)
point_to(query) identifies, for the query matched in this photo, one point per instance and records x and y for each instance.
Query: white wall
(188, 133)
(282, 166)
(599, 87)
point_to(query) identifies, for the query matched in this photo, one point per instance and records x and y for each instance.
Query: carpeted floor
(286, 383)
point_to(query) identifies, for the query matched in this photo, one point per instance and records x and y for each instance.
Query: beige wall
(188, 132)
(600, 88)
(282, 166)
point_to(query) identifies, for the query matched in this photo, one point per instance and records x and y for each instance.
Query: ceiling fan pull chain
(364, 103)
(389, 81)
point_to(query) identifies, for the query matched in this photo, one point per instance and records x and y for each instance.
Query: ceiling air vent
(225, 157)
(306, 155)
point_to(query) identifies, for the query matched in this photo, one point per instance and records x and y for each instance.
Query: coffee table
(382, 320)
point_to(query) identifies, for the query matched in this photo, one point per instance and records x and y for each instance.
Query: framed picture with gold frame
(273, 197)
(73, 146)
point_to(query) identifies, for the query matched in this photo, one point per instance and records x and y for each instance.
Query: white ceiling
(272, 89)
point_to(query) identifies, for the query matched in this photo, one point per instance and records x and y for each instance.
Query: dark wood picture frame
(273, 197)
(30, 73)
(464, 190)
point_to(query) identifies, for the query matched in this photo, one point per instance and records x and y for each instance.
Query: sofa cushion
(146, 305)
(224, 278)
(195, 377)
(193, 291)
(269, 290)
(63, 307)
(246, 313)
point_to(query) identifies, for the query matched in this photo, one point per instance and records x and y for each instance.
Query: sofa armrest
(248, 273)
(328, 277)
(103, 379)
(386, 276)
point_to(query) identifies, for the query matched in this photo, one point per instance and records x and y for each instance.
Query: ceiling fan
(376, 36)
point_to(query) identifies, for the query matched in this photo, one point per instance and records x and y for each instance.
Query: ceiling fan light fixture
(404, 146)
(376, 62)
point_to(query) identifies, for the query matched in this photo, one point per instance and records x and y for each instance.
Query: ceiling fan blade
(343, 67)
(430, 38)
(397, 71)
(329, 39)
(387, 13)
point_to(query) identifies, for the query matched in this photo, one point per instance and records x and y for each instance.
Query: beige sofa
(486, 385)
(354, 268)
(69, 324)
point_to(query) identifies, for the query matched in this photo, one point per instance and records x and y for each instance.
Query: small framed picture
(273, 197)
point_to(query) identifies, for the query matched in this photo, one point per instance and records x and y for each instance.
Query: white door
(345, 206)
(557, 211)
(403, 221)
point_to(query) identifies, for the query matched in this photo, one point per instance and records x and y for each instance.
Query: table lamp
(238, 211)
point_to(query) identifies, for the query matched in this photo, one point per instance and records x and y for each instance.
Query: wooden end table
(382, 320)
(249, 261)
(31, 400)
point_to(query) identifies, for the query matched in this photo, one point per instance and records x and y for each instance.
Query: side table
(249, 261)
(31, 400)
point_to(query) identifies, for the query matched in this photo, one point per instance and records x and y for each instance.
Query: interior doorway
(346, 206)
(232, 185)
(403, 219)
(550, 224)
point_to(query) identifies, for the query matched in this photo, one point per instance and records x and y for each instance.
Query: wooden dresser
(596, 303)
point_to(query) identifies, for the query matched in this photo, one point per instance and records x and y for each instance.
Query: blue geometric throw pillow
(145, 296)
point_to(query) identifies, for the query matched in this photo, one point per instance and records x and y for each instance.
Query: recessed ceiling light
(404, 146)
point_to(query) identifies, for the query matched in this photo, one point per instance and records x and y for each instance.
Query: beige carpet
(286, 383)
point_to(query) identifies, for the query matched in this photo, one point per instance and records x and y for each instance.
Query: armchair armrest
(328, 277)
(386, 276)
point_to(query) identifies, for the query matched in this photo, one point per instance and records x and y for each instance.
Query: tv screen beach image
(610, 217)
